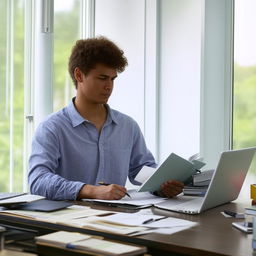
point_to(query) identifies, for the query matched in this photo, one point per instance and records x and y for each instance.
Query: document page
(21, 199)
(134, 223)
(152, 220)
(137, 198)
(98, 224)
(109, 247)
(62, 237)
(145, 173)
(61, 216)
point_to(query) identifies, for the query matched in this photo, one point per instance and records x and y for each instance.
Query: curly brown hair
(87, 53)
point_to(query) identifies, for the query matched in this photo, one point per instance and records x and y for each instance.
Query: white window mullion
(9, 85)
(43, 60)
(28, 84)
(82, 19)
(87, 18)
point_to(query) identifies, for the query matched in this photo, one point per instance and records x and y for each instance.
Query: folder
(173, 168)
(43, 205)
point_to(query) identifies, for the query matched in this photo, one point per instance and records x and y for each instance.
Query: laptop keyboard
(6, 195)
(183, 204)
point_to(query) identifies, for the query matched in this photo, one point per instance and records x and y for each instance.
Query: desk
(14, 253)
(213, 236)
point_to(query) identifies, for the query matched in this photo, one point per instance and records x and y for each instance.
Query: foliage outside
(244, 119)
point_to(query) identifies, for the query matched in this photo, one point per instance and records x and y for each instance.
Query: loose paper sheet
(145, 173)
(137, 198)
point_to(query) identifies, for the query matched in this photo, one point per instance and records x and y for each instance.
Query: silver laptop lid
(228, 177)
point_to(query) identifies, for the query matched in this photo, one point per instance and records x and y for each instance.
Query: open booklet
(173, 168)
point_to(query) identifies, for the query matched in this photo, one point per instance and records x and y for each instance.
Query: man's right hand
(110, 192)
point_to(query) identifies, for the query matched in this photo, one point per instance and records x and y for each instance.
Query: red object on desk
(253, 202)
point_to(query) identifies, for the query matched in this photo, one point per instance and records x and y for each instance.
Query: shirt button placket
(101, 155)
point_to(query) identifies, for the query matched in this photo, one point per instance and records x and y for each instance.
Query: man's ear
(78, 74)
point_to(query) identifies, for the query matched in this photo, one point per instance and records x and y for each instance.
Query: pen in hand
(107, 184)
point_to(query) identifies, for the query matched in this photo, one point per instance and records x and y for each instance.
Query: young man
(87, 142)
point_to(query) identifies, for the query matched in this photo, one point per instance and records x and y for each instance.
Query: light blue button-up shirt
(68, 152)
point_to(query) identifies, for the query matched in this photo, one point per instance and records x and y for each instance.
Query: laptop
(224, 187)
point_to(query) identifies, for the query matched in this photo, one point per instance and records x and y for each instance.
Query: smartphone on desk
(246, 227)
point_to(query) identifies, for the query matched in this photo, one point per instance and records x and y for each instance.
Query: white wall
(123, 22)
(180, 76)
(176, 98)
(174, 47)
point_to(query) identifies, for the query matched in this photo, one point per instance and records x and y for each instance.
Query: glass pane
(11, 94)
(244, 123)
(66, 32)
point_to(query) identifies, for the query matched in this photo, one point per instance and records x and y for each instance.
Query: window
(244, 120)
(163, 76)
(16, 80)
(11, 94)
(66, 32)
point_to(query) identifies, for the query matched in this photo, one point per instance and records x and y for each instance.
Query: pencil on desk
(107, 184)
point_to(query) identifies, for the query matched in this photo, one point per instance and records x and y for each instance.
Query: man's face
(97, 85)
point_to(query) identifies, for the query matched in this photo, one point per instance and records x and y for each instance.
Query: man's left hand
(171, 188)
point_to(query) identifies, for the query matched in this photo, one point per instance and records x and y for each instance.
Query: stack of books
(194, 190)
(251, 210)
(199, 184)
(202, 178)
(72, 243)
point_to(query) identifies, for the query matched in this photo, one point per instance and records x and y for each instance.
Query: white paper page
(62, 237)
(109, 247)
(130, 219)
(23, 198)
(137, 219)
(96, 223)
(45, 215)
(60, 216)
(137, 198)
(145, 173)
(166, 231)
(170, 222)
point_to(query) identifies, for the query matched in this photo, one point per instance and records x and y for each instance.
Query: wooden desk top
(214, 234)
(15, 253)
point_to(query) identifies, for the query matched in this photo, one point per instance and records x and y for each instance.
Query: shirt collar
(111, 115)
(77, 119)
